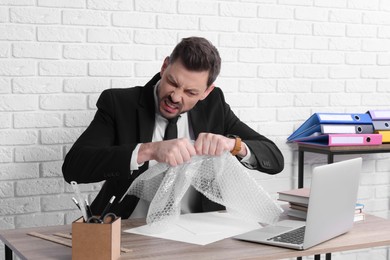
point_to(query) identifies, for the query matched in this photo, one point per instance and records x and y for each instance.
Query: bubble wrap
(221, 179)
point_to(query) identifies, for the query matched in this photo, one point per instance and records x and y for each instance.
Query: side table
(331, 151)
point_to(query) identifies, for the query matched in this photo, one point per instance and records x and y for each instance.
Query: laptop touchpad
(262, 234)
(274, 230)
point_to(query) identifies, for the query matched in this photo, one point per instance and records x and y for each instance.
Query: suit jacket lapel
(145, 126)
(198, 120)
(146, 111)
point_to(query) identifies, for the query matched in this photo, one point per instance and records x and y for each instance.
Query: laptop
(331, 209)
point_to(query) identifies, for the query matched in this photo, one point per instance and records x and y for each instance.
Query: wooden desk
(331, 151)
(372, 232)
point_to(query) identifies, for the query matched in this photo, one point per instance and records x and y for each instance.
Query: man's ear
(164, 66)
(207, 92)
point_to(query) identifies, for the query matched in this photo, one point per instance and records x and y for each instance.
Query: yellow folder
(385, 136)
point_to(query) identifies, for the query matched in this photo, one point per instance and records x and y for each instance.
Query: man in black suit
(126, 135)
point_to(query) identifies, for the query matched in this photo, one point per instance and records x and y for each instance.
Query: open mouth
(170, 107)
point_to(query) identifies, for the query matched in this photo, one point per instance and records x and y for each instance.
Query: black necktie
(171, 130)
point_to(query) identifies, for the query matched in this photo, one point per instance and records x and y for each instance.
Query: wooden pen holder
(95, 240)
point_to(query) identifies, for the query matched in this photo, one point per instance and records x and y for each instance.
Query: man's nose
(176, 96)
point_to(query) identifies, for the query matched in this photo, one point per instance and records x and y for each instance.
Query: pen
(76, 190)
(89, 211)
(76, 202)
(107, 208)
(124, 195)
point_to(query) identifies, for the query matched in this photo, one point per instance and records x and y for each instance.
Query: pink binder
(354, 139)
(344, 139)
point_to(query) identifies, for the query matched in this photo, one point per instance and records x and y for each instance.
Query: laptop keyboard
(292, 237)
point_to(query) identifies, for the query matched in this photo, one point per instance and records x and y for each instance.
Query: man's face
(180, 89)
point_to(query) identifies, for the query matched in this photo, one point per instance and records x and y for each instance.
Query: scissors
(105, 219)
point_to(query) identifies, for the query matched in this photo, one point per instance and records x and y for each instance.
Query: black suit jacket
(125, 117)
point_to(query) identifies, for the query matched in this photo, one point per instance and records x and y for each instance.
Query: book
(359, 206)
(300, 211)
(297, 213)
(302, 215)
(297, 206)
(300, 195)
(359, 217)
(343, 139)
(299, 200)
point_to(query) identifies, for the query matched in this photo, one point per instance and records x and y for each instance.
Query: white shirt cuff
(249, 160)
(134, 158)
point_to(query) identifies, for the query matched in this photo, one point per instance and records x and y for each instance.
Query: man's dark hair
(198, 54)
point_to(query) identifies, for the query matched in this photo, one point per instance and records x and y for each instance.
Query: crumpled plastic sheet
(222, 179)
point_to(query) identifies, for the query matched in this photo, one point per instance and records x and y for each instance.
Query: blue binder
(313, 123)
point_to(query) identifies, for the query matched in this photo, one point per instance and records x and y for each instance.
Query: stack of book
(337, 129)
(359, 214)
(381, 122)
(298, 200)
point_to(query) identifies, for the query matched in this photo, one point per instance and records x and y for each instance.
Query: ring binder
(379, 114)
(343, 139)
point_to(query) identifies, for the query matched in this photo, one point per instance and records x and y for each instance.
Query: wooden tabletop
(341, 149)
(372, 232)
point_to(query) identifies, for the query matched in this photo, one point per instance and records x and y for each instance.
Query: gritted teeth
(171, 105)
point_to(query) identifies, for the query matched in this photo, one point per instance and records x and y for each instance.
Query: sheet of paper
(200, 228)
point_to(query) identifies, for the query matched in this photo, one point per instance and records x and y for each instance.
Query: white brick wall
(282, 61)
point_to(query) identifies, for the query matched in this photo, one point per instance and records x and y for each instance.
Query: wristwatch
(237, 145)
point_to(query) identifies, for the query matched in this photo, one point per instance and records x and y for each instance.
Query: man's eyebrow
(172, 79)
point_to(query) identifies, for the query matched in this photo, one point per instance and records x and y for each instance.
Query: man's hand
(213, 144)
(172, 152)
(178, 151)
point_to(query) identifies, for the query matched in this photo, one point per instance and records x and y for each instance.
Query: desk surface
(345, 149)
(372, 232)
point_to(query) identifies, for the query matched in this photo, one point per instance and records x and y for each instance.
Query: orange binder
(385, 136)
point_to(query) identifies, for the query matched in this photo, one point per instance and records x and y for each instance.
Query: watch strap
(237, 145)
